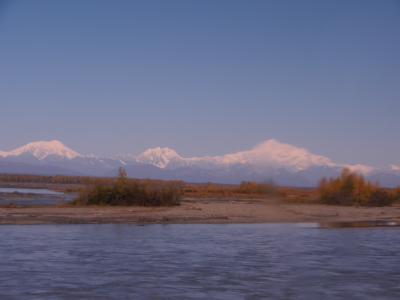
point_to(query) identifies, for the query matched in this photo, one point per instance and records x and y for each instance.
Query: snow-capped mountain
(53, 158)
(360, 169)
(269, 154)
(43, 149)
(395, 168)
(159, 157)
(270, 160)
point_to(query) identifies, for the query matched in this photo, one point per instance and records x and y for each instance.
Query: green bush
(352, 189)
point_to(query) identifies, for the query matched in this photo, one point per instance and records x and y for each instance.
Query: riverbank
(201, 211)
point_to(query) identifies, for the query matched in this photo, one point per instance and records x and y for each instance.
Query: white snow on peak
(395, 168)
(274, 153)
(160, 157)
(360, 169)
(42, 149)
(269, 153)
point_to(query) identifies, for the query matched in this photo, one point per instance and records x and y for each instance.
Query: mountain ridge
(42, 149)
(269, 160)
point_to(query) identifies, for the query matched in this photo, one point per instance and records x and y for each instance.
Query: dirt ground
(192, 210)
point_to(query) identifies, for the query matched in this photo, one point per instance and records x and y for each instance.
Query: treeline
(16, 178)
(226, 190)
(248, 187)
(203, 189)
(352, 189)
(347, 189)
(124, 191)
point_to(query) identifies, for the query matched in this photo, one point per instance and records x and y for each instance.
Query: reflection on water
(198, 262)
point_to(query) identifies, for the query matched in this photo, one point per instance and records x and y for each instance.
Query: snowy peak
(360, 169)
(285, 164)
(395, 168)
(275, 154)
(160, 157)
(270, 153)
(43, 149)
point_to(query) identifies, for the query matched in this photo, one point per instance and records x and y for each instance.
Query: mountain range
(268, 161)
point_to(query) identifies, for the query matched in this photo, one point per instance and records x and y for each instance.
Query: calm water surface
(29, 191)
(41, 197)
(198, 262)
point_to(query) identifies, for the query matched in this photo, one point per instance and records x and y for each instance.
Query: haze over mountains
(271, 160)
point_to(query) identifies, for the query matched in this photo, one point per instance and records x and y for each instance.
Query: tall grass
(124, 191)
(21, 178)
(352, 189)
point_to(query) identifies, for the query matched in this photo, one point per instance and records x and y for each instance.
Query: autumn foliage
(125, 191)
(352, 189)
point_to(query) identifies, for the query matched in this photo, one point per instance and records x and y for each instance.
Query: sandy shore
(208, 211)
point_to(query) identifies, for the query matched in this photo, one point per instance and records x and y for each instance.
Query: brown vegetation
(21, 178)
(352, 189)
(246, 188)
(349, 189)
(124, 191)
(251, 188)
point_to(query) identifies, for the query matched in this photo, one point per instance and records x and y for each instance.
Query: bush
(131, 192)
(209, 190)
(396, 194)
(247, 187)
(230, 190)
(352, 189)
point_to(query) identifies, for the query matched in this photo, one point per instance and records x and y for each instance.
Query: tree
(122, 173)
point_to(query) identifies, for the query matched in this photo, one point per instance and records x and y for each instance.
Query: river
(264, 261)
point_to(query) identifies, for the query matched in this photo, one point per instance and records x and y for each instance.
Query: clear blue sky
(203, 77)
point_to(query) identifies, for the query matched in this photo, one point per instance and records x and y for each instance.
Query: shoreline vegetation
(352, 189)
(348, 189)
(131, 192)
(348, 198)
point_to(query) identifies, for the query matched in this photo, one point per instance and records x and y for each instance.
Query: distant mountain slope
(43, 156)
(43, 149)
(7, 167)
(270, 154)
(270, 160)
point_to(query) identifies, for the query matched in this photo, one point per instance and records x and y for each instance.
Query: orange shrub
(352, 189)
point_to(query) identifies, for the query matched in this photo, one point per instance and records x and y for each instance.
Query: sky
(203, 77)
